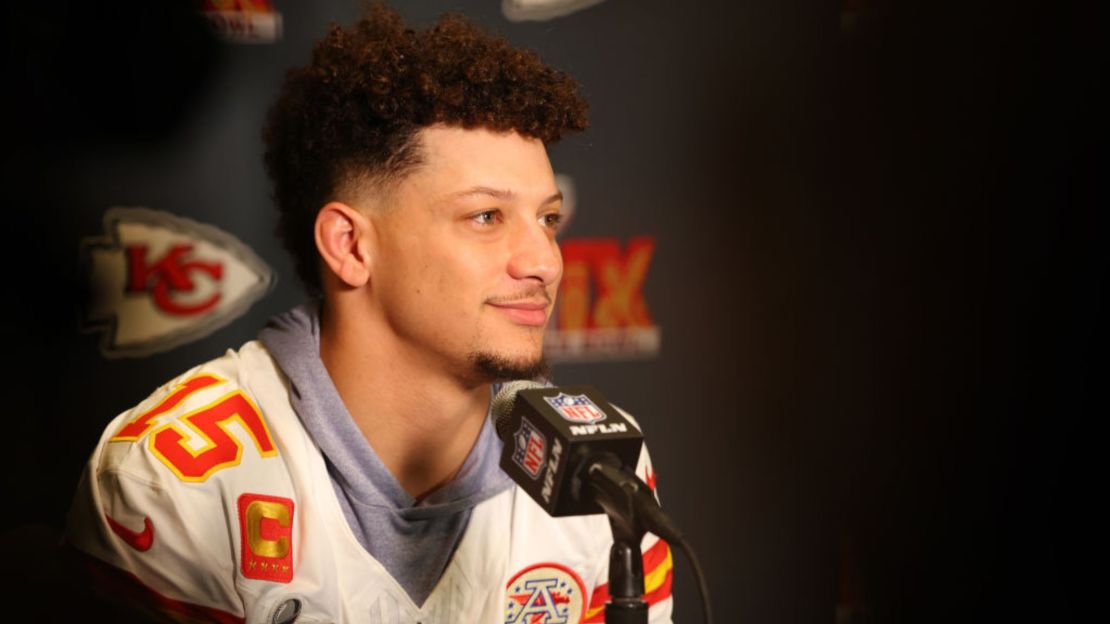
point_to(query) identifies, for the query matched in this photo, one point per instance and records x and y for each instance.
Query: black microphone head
(502, 405)
(549, 436)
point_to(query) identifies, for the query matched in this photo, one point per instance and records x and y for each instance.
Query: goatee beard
(494, 368)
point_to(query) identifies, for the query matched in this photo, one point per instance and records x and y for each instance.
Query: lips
(531, 313)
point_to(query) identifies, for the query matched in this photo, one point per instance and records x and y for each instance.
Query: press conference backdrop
(840, 259)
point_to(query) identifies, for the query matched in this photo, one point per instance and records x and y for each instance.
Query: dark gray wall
(878, 274)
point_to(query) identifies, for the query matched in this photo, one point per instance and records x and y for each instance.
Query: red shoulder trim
(658, 555)
(655, 555)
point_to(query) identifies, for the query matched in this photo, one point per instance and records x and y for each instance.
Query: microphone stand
(615, 490)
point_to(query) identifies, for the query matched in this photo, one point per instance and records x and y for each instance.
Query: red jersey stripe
(655, 555)
(662, 592)
(599, 597)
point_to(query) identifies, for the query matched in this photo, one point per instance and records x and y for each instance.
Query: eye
(488, 217)
(552, 220)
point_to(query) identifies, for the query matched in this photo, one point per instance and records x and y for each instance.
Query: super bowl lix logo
(531, 448)
(601, 313)
(157, 281)
(577, 408)
(546, 593)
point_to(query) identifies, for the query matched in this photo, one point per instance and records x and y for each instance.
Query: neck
(421, 420)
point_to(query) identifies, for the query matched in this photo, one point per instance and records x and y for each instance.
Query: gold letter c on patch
(258, 510)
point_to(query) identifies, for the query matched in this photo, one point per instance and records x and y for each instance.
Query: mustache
(527, 295)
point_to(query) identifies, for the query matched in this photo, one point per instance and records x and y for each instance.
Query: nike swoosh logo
(139, 540)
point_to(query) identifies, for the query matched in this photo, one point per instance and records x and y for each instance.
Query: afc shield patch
(545, 593)
(266, 537)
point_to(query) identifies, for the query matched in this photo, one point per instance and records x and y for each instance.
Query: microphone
(574, 454)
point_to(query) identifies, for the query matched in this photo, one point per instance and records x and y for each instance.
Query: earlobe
(343, 240)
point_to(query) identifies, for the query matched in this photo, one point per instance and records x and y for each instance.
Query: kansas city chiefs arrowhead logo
(157, 281)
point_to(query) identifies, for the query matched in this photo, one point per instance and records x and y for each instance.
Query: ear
(344, 240)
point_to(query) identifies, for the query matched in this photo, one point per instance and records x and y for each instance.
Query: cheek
(443, 275)
(468, 272)
(444, 289)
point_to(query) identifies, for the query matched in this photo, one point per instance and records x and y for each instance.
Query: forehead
(457, 158)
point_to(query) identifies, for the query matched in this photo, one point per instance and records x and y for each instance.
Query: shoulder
(164, 493)
(207, 420)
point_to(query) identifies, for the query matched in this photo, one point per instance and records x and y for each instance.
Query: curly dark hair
(353, 113)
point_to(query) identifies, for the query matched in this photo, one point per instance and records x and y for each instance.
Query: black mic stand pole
(614, 493)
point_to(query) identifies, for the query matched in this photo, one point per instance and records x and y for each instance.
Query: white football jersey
(211, 500)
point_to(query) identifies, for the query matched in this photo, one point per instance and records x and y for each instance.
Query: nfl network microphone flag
(551, 435)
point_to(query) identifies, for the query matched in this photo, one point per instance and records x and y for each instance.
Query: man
(343, 466)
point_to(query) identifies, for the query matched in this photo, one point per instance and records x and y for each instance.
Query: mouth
(531, 312)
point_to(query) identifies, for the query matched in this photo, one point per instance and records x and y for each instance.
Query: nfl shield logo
(531, 448)
(577, 408)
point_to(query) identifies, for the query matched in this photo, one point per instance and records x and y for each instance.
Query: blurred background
(844, 261)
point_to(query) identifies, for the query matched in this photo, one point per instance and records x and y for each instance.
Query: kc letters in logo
(168, 276)
(576, 408)
(531, 448)
(157, 281)
(546, 593)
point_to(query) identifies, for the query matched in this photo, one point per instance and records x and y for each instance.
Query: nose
(534, 254)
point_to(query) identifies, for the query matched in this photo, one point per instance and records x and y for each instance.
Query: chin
(495, 367)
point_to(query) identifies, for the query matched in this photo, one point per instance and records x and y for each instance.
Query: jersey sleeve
(657, 558)
(141, 548)
(146, 538)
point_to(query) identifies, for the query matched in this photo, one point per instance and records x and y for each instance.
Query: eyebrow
(502, 194)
